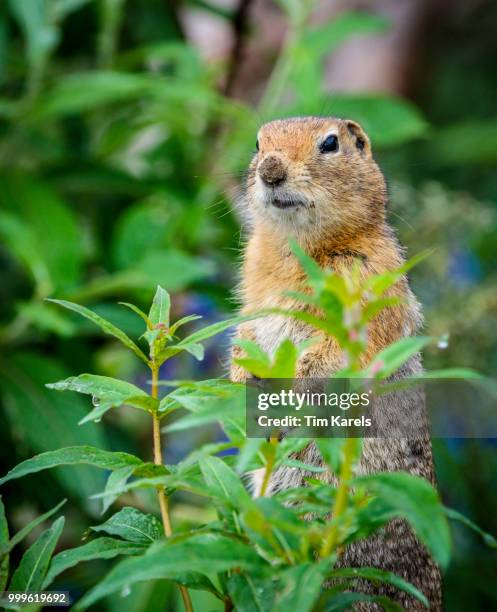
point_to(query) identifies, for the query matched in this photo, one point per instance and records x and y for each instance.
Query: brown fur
(338, 216)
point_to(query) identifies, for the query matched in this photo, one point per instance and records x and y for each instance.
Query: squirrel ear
(359, 136)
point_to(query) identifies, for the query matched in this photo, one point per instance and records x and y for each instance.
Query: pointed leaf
(108, 393)
(136, 310)
(202, 552)
(331, 450)
(416, 500)
(117, 479)
(160, 309)
(183, 321)
(133, 525)
(197, 350)
(380, 577)
(105, 325)
(390, 359)
(27, 529)
(101, 548)
(224, 482)
(488, 538)
(216, 328)
(311, 268)
(71, 456)
(253, 351)
(285, 360)
(251, 592)
(379, 283)
(30, 574)
(301, 587)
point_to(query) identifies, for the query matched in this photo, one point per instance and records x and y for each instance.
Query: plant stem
(281, 73)
(340, 505)
(161, 494)
(269, 466)
(111, 17)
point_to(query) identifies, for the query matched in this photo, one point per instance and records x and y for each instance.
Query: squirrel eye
(257, 144)
(329, 144)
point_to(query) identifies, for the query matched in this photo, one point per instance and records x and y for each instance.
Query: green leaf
(310, 266)
(191, 343)
(285, 360)
(106, 326)
(300, 587)
(416, 500)
(46, 318)
(71, 456)
(41, 35)
(197, 350)
(137, 311)
(202, 552)
(161, 306)
(117, 479)
(223, 482)
(325, 39)
(388, 120)
(465, 373)
(100, 548)
(331, 451)
(259, 364)
(379, 283)
(27, 529)
(149, 225)
(391, 358)
(50, 223)
(21, 242)
(248, 452)
(89, 90)
(133, 525)
(30, 574)
(62, 8)
(144, 597)
(173, 269)
(379, 576)
(454, 515)
(4, 543)
(226, 408)
(197, 581)
(465, 143)
(183, 321)
(106, 393)
(216, 328)
(47, 421)
(253, 351)
(251, 593)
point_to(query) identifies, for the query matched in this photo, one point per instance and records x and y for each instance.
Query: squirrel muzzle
(272, 171)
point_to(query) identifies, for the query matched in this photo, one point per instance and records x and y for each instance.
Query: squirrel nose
(272, 171)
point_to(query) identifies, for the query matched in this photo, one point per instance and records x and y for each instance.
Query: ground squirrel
(315, 179)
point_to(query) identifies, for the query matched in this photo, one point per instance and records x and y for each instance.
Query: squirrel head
(315, 178)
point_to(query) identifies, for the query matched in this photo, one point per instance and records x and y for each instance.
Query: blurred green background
(125, 128)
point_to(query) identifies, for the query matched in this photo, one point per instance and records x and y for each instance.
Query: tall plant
(258, 553)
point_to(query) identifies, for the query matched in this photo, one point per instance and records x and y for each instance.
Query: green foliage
(8, 545)
(30, 574)
(417, 501)
(264, 554)
(100, 548)
(115, 165)
(132, 525)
